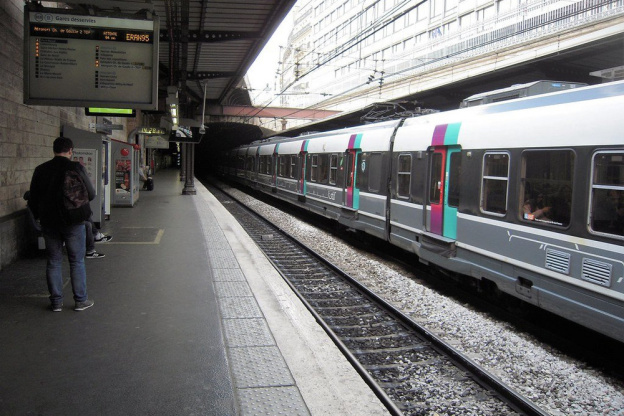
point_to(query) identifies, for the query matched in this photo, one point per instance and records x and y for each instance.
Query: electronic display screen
(90, 61)
(110, 112)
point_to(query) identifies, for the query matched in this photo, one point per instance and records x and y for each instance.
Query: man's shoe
(95, 255)
(57, 308)
(105, 239)
(81, 306)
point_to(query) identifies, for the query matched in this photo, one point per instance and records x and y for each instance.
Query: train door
(443, 187)
(302, 170)
(352, 194)
(275, 167)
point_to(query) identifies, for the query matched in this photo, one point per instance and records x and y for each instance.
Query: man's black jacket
(45, 189)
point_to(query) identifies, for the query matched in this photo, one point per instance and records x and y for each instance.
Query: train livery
(526, 196)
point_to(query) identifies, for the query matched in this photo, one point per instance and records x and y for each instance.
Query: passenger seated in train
(608, 211)
(535, 208)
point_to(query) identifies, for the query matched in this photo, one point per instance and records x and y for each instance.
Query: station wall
(26, 135)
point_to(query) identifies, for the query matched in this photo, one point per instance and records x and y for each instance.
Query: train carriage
(511, 197)
(290, 166)
(526, 196)
(265, 169)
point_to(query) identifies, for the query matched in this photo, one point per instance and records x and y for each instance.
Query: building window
(495, 183)
(546, 186)
(607, 193)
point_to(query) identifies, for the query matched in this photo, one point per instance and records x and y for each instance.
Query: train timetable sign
(90, 61)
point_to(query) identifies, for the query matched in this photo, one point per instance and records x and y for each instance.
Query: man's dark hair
(62, 145)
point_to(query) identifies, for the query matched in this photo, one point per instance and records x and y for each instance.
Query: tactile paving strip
(232, 289)
(228, 275)
(259, 367)
(239, 307)
(252, 332)
(223, 259)
(274, 401)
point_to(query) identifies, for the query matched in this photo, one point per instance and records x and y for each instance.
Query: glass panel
(333, 165)
(547, 186)
(323, 162)
(314, 169)
(374, 172)
(454, 176)
(607, 210)
(609, 169)
(436, 178)
(404, 172)
(495, 183)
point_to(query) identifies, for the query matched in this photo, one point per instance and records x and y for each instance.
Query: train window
(281, 162)
(454, 176)
(265, 165)
(250, 163)
(314, 169)
(373, 172)
(435, 186)
(323, 163)
(333, 169)
(495, 183)
(293, 167)
(404, 176)
(607, 193)
(546, 186)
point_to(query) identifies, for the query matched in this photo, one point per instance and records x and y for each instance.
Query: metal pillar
(189, 166)
(182, 162)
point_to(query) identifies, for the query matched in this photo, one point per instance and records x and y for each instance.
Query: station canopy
(206, 46)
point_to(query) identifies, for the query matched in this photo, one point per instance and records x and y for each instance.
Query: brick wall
(26, 134)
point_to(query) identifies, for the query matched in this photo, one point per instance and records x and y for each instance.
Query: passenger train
(526, 195)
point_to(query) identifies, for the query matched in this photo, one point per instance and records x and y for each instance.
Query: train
(525, 196)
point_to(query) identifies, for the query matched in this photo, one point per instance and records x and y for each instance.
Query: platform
(190, 318)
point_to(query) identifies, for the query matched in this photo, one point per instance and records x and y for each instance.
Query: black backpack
(74, 205)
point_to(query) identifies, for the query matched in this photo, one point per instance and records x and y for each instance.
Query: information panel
(90, 61)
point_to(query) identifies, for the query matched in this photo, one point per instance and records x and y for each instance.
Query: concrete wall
(26, 134)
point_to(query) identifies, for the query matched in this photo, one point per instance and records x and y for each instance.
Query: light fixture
(202, 129)
(172, 102)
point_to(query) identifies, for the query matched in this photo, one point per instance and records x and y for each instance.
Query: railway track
(411, 370)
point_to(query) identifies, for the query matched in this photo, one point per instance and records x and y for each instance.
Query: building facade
(346, 54)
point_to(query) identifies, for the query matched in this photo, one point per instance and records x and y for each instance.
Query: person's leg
(54, 272)
(90, 236)
(76, 248)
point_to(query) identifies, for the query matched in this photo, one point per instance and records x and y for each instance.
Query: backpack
(74, 205)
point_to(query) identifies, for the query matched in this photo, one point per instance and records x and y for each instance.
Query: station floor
(190, 318)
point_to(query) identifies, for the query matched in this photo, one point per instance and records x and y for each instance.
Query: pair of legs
(74, 238)
(93, 235)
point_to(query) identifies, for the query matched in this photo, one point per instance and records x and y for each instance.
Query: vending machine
(92, 150)
(125, 163)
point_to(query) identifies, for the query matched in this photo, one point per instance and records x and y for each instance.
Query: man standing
(46, 190)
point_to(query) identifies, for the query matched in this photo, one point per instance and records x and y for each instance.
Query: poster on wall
(88, 159)
(123, 169)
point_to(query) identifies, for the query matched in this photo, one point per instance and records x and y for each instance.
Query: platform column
(189, 168)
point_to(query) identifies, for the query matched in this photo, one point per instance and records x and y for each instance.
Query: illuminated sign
(152, 131)
(90, 61)
(111, 112)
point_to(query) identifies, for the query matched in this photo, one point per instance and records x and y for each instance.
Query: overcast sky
(263, 70)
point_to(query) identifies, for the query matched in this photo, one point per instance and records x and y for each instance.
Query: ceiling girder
(206, 36)
(199, 76)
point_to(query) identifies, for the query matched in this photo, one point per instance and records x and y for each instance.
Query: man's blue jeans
(74, 238)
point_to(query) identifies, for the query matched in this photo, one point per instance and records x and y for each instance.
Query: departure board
(90, 61)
